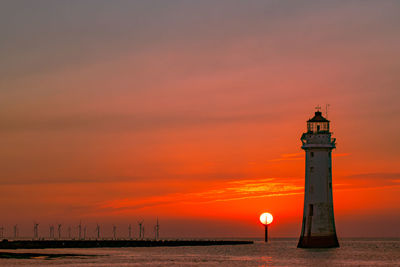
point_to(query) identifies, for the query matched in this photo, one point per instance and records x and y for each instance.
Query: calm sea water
(279, 252)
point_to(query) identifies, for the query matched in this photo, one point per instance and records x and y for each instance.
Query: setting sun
(266, 218)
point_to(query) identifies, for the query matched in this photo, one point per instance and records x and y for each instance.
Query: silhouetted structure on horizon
(318, 228)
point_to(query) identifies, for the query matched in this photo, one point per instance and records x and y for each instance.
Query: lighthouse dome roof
(318, 118)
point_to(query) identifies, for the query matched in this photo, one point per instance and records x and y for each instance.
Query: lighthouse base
(318, 242)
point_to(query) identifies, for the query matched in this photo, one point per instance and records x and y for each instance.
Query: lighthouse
(318, 228)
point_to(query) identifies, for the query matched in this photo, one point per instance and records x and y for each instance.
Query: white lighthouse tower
(318, 229)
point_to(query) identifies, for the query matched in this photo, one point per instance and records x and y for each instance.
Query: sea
(277, 252)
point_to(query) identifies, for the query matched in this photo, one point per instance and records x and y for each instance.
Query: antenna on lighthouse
(326, 110)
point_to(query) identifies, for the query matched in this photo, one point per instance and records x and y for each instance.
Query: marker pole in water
(266, 218)
(266, 233)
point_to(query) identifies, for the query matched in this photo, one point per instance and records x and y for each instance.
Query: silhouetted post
(266, 233)
(266, 218)
(130, 231)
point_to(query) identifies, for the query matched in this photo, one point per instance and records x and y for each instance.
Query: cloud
(300, 156)
(290, 156)
(368, 180)
(340, 154)
(376, 175)
(228, 191)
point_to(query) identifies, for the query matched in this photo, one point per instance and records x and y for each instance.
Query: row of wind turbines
(82, 231)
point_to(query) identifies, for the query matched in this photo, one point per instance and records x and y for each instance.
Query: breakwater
(40, 244)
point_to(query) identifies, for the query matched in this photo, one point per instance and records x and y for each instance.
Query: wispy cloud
(369, 180)
(290, 156)
(340, 154)
(376, 175)
(237, 190)
(300, 156)
(229, 191)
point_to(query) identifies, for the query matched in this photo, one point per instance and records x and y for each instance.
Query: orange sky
(193, 112)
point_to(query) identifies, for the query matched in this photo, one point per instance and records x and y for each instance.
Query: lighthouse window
(311, 169)
(317, 127)
(310, 210)
(312, 154)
